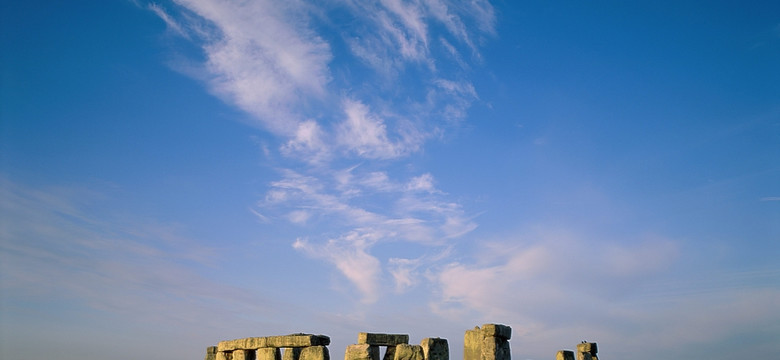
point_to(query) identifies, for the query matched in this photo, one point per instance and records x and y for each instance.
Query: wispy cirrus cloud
(376, 87)
(270, 60)
(412, 211)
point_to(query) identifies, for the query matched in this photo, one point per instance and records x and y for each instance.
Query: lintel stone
(284, 341)
(382, 339)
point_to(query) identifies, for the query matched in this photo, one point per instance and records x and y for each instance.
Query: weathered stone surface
(362, 352)
(318, 352)
(244, 354)
(292, 353)
(222, 355)
(588, 347)
(269, 353)
(284, 341)
(382, 339)
(408, 352)
(245, 343)
(497, 330)
(495, 348)
(211, 353)
(472, 344)
(389, 353)
(436, 349)
(297, 340)
(564, 355)
(584, 356)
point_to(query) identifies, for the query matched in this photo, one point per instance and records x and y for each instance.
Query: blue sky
(177, 173)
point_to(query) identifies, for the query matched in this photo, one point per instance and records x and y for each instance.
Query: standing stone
(362, 352)
(472, 344)
(291, 353)
(587, 351)
(564, 355)
(409, 352)
(211, 353)
(269, 353)
(243, 354)
(389, 353)
(495, 348)
(436, 349)
(314, 353)
(224, 355)
(488, 343)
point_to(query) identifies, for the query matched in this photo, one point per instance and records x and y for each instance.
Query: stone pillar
(224, 355)
(362, 352)
(318, 352)
(389, 353)
(436, 349)
(564, 355)
(291, 354)
(587, 351)
(211, 353)
(269, 353)
(242, 354)
(472, 344)
(491, 342)
(408, 352)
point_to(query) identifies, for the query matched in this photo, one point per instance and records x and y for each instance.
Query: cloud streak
(326, 106)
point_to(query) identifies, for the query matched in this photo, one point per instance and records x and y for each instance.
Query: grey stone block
(315, 353)
(435, 349)
(362, 352)
(408, 352)
(382, 339)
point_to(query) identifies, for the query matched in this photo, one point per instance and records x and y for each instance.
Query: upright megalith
(587, 351)
(564, 355)
(211, 353)
(242, 354)
(269, 353)
(408, 352)
(435, 349)
(362, 352)
(291, 353)
(368, 345)
(491, 342)
(317, 352)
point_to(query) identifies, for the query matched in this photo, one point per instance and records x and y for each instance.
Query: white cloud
(404, 273)
(277, 62)
(365, 133)
(172, 24)
(416, 216)
(350, 256)
(264, 58)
